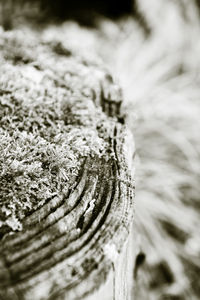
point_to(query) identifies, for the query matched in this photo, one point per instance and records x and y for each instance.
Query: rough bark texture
(62, 246)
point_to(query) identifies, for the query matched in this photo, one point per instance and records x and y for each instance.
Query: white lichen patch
(111, 252)
(91, 206)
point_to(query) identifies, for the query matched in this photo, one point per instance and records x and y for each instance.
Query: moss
(47, 125)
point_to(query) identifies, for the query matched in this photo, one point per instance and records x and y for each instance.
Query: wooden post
(77, 244)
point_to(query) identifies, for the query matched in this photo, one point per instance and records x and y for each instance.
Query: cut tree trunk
(76, 244)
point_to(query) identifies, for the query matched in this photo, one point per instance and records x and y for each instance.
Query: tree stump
(67, 187)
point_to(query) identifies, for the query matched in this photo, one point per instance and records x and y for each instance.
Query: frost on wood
(66, 189)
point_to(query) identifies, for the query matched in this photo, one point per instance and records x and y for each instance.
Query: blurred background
(152, 47)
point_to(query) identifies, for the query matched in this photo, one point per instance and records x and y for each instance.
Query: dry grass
(161, 83)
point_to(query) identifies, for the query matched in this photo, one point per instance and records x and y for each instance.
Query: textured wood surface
(67, 246)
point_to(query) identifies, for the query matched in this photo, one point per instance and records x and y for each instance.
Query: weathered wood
(119, 284)
(71, 243)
